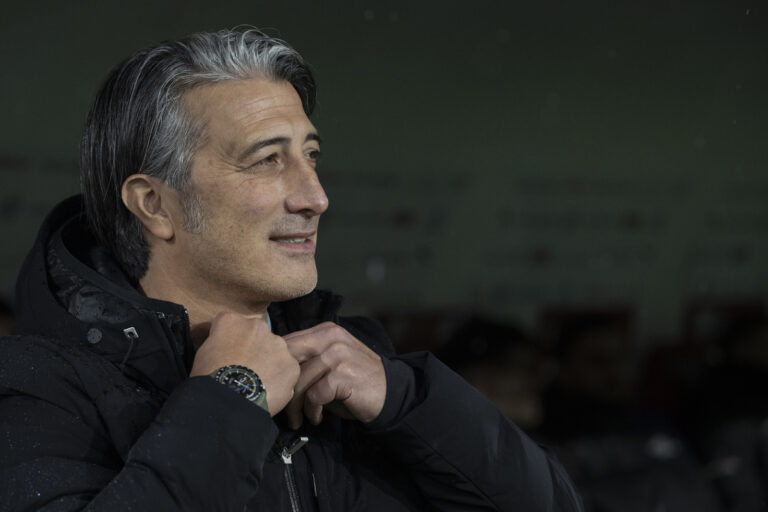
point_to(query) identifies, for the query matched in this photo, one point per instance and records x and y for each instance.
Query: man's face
(254, 178)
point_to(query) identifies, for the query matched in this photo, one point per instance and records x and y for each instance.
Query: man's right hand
(235, 339)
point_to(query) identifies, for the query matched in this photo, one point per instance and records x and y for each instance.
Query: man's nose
(307, 196)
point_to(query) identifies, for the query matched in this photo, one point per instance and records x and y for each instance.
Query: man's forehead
(239, 104)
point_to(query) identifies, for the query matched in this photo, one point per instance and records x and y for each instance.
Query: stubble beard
(194, 217)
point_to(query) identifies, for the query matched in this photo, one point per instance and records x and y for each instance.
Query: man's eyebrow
(256, 146)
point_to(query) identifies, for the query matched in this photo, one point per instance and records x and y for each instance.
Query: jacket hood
(71, 288)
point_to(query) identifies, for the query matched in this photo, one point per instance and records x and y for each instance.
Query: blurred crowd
(639, 426)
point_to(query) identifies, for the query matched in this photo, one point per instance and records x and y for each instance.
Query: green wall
(493, 156)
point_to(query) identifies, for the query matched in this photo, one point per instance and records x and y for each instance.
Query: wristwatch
(244, 381)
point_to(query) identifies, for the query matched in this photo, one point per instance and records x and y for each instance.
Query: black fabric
(97, 412)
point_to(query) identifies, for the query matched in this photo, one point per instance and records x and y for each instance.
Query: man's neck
(200, 309)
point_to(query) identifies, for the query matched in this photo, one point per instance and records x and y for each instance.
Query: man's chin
(294, 290)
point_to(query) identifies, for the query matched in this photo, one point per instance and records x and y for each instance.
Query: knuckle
(226, 317)
(334, 354)
(345, 368)
(333, 329)
(338, 349)
(261, 324)
(294, 369)
(310, 395)
(337, 330)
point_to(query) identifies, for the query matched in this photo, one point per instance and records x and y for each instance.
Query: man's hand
(235, 339)
(338, 372)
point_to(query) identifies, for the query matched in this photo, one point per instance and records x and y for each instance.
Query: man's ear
(151, 201)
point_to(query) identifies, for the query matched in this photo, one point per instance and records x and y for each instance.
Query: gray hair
(138, 124)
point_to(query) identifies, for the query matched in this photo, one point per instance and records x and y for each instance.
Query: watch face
(242, 380)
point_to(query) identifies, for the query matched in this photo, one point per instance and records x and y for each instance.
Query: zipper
(290, 479)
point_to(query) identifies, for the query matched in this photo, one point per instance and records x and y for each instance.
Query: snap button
(94, 335)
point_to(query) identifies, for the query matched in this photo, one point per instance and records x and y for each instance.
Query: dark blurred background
(565, 200)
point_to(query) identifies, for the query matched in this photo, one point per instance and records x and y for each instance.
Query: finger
(307, 345)
(311, 330)
(321, 375)
(311, 371)
(313, 412)
(293, 412)
(330, 388)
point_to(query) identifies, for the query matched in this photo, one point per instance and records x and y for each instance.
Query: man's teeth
(293, 240)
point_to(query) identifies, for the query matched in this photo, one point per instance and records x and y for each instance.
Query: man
(172, 352)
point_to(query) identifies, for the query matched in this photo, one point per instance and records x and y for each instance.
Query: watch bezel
(254, 390)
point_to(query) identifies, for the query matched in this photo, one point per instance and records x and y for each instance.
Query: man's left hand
(338, 372)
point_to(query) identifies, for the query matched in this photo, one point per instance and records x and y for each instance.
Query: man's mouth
(301, 242)
(292, 238)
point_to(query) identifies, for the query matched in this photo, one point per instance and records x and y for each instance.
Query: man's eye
(271, 159)
(314, 154)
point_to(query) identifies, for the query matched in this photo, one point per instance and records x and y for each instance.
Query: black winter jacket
(97, 412)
